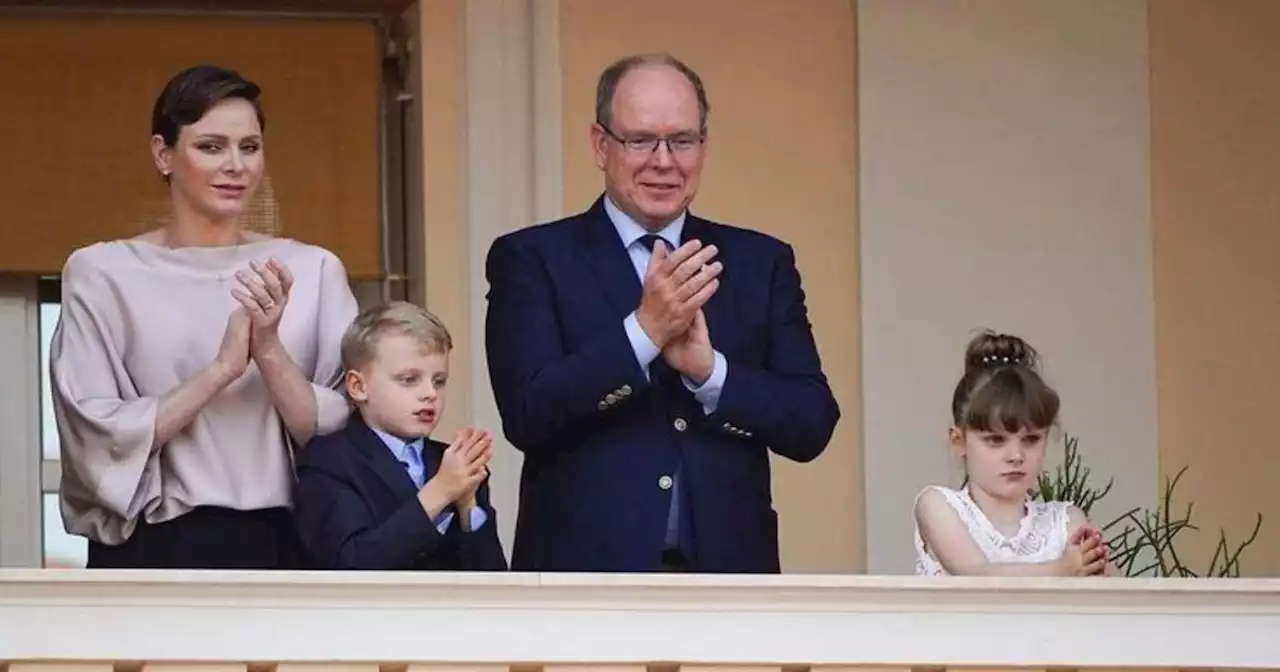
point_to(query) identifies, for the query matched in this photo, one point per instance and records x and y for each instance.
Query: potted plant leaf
(1142, 542)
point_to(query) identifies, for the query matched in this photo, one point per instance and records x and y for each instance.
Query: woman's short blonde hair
(392, 317)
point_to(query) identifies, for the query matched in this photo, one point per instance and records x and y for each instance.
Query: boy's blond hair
(392, 317)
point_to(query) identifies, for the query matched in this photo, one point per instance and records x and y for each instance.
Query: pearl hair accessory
(992, 359)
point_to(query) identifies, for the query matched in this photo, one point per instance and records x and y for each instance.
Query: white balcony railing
(433, 622)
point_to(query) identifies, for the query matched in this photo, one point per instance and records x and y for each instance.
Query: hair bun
(989, 350)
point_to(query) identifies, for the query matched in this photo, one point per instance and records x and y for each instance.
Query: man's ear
(356, 388)
(599, 145)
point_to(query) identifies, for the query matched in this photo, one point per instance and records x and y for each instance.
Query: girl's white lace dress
(1041, 537)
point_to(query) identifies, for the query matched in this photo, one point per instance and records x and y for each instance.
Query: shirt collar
(397, 445)
(630, 231)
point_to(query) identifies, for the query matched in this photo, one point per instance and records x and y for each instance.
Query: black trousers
(207, 538)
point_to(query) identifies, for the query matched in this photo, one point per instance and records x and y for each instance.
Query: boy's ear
(356, 390)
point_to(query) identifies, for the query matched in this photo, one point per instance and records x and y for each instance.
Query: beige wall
(490, 110)
(998, 144)
(478, 185)
(1004, 185)
(439, 82)
(479, 144)
(1001, 151)
(782, 160)
(1215, 158)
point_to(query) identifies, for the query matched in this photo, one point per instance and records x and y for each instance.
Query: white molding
(604, 618)
(21, 525)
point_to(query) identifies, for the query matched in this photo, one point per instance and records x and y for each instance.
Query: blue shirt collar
(398, 446)
(630, 231)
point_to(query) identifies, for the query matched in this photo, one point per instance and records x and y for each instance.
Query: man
(645, 360)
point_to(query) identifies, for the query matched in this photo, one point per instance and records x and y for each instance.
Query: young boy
(380, 494)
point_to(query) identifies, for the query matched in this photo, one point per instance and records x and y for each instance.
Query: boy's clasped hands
(463, 468)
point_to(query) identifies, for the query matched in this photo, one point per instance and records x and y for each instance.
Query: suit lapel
(610, 261)
(379, 458)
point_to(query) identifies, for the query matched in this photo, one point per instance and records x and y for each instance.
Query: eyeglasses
(678, 144)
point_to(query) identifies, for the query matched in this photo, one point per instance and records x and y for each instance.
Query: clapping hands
(676, 287)
(468, 459)
(463, 468)
(263, 293)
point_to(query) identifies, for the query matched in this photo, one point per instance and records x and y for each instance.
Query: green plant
(1141, 541)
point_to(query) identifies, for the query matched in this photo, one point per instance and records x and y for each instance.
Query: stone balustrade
(99, 621)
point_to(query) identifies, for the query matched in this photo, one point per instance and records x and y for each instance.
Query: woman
(190, 360)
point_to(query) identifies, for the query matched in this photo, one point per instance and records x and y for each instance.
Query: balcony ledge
(515, 618)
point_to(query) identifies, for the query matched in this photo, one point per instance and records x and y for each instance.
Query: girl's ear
(955, 442)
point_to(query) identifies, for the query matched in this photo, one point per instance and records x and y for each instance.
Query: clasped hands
(252, 329)
(1085, 554)
(677, 285)
(463, 468)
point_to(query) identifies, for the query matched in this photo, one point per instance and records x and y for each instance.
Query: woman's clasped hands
(263, 293)
(253, 328)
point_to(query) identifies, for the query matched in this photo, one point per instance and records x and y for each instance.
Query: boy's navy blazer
(356, 507)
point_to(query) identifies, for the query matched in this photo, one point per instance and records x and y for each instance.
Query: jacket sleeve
(786, 404)
(545, 392)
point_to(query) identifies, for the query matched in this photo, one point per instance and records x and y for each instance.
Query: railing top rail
(515, 618)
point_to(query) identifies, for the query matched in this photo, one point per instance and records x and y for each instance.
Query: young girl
(1002, 412)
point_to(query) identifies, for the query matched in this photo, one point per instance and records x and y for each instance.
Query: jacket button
(665, 482)
(681, 425)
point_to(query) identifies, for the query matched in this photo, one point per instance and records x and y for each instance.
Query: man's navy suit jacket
(356, 507)
(598, 437)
